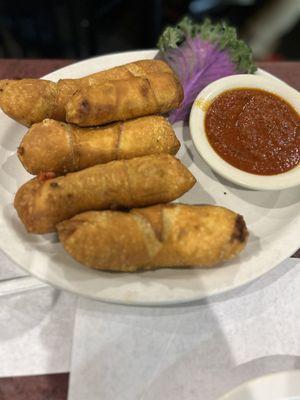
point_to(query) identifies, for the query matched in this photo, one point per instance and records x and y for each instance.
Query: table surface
(55, 386)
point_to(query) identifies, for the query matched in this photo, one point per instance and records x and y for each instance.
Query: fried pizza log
(130, 183)
(58, 147)
(119, 100)
(165, 235)
(32, 100)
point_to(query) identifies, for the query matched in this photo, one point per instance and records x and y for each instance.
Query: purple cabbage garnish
(201, 54)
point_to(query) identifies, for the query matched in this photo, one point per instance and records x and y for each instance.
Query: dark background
(81, 29)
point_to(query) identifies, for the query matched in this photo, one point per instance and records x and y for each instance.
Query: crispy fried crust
(154, 237)
(28, 100)
(58, 147)
(130, 183)
(120, 100)
(32, 100)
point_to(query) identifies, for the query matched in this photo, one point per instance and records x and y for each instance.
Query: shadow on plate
(264, 198)
(197, 195)
(12, 133)
(186, 134)
(12, 174)
(40, 242)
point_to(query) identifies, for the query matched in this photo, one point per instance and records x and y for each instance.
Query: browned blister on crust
(58, 147)
(120, 100)
(159, 236)
(32, 100)
(130, 183)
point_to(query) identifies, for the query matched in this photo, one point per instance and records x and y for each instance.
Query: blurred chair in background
(266, 30)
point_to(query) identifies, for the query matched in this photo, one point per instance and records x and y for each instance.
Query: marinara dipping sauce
(254, 130)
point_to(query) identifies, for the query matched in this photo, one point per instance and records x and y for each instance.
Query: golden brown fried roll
(58, 147)
(160, 236)
(28, 100)
(130, 183)
(32, 100)
(120, 100)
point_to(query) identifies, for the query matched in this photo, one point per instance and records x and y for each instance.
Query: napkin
(36, 326)
(36, 329)
(8, 269)
(187, 352)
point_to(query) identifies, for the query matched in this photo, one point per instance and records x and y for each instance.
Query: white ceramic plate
(272, 217)
(279, 386)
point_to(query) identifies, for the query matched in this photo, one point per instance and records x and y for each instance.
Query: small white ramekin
(197, 128)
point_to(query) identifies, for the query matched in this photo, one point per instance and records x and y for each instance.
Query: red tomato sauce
(254, 130)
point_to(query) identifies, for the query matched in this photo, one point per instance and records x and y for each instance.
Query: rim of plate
(284, 180)
(78, 289)
(295, 373)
